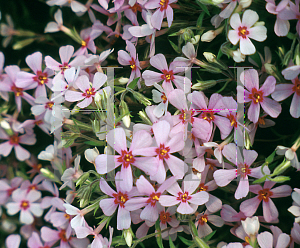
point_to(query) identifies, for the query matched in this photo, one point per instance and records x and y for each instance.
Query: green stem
(144, 238)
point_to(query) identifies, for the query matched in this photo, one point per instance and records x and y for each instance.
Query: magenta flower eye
(167, 75)
(296, 87)
(264, 194)
(202, 220)
(164, 217)
(243, 32)
(62, 235)
(17, 91)
(24, 205)
(49, 105)
(14, 140)
(162, 152)
(256, 96)
(153, 198)
(183, 197)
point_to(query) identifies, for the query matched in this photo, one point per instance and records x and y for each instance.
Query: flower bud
(245, 3)
(145, 118)
(203, 85)
(124, 111)
(128, 236)
(251, 226)
(141, 98)
(270, 69)
(123, 80)
(82, 178)
(208, 36)
(280, 179)
(196, 39)
(238, 56)
(282, 167)
(210, 57)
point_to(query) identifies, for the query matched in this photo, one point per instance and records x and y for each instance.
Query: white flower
(243, 30)
(238, 56)
(251, 225)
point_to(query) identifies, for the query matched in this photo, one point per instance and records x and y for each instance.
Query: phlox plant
(149, 123)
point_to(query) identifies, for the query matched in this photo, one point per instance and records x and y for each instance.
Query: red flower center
(243, 32)
(256, 96)
(132, 64)
(164, 217)
(39, 122)
(187, 116)
(163, 4)
(202, 187)
(62, 235)
(296, 87)
(208, 115)
(164, 98)
(89, 92)
(41, 78)
(136, 8)
(202, 220)
(17, 91)
(64, 67)
(167, 75)
(126, 158)
(120, 199)
(264, 194)
(162, 151)
(232, 119)
(243, 170)
(49, 105)
(183, 197)
(14, 140)
(24, 204)
(153, 198)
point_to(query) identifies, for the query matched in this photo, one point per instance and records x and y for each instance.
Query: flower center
(164, 217)
(120, 199)
(202, 220)
(62, 235)
(41, 78)
(261, 121)
(64, 67)
(126, 158)
(67, 216)
(296, 87)
(164, 98)
(243, 32)
(39, 122)
(202, 187)
(163, 4)
(14, 139)
(187, 116)
(243, 170)
(89, 92)
(208, 115)
(17, 91)
(162, 152)
(136, 8)
(264, 194)
(232, 120)
(183, 197)
(167, 75)
(24, 204)
(49, 105)
(153, 198)
(132, 64)
(256, 96)
(83, 43)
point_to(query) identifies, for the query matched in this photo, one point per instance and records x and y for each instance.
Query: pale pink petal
(269, 86)
(281, 191)
(127, 180)
(182, 83)
(13, 208)
(83, 83)
(136, 203)
(144, 186)
(21, 153)
(215, 220)
(86, 102)
(157, 18)
(108, 206)
(106, 163)
(65, 53)
(5, 148)
(242, 189)
(123, 219)
(99, 80)
(13, 241)
(161, 132)
(26, 217)
(48, 234)
(265, 240)
(185, 208)
(141, 139)
(177, 167)
(235, 21)
(224, 177)
(249, 207)
(35, 209)
(246, 46)
(270, 211)
(151, 77)
(291, 72)
(249, 156)
(117, 139)
(250, 17)
(282, 91)
(199, 198)
(271, 107)
(168, 200)
(169, 13)
(204, 230)
(283, 240)
(149, 213)
(105, 188)
(253, 112)
(71, 96)
(177, 99)
(233, 37)
(295, 109)
(214, 204)
(123, 58)
(159, 62)
(147, 164)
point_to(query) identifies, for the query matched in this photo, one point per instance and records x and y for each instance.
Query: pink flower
(265, 240)
(163, 9)
(163, 150)
(132, 60)
(249, 207)
(151, 210)
(283, 91)
(64, 236)
(6, 189)
(167, 76)
(201, 223)
(119, 198)
(39, 79)
(88, 37)
(223, 177)
(243, 30)
(282, 26)
(258, 96)
(14, 141)
(25, 203)
(189, 202)
(116, 138)
(291, 12)
(9, 85)
(13, 241)
(65, 54)
(35, 242)
(88, 91)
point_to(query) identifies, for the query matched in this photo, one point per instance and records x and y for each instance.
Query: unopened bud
(123, 80)
(210, 57)
(208, 36)
(245, 3)
(124, 112)
(203, 85)
(141, 98)
(21, 44)
(145, 118)
(196, 39)
(82, 178)
(128, 236)
(282, 167)
(280, 179)
(270, 69)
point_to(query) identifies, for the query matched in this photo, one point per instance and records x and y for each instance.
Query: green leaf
(69, 143)
(270, 158)
(171, 243)
(118, 88)
(260, 180)
(280, 179)
(21, 44)
(200, 19)
(175, 47)
(193, 228)
(203, 7)
(94, 143)
(133, 83)
(186, 241)
(209, 236)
